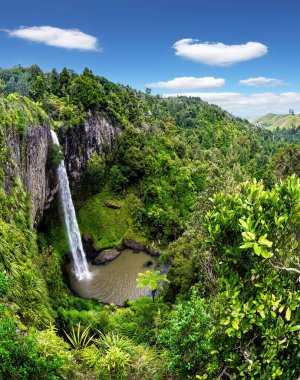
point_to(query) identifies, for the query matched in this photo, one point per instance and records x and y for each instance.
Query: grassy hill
(272, 121)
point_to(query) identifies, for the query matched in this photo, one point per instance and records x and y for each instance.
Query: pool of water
(115, 281)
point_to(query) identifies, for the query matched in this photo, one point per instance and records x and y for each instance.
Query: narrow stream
(114, 282)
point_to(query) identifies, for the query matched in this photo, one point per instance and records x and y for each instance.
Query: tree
(187, 333)
(54, 83)
(253, 239)
(151, 279)
(85, 90)
(287, 160)
(38, 89)
(64, 81)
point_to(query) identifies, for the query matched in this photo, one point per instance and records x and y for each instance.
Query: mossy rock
(108, 226)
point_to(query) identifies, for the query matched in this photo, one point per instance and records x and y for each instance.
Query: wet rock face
(96, 135)
(28, 162)
(89, 248)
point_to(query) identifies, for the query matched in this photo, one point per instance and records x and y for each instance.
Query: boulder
(153, 252)
(105, 257)
(134, 245)
(111, 205)
(88, 245)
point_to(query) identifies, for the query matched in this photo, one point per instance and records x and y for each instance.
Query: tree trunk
(153, 294)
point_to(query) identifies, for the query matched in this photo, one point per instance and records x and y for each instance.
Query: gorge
(214, 198)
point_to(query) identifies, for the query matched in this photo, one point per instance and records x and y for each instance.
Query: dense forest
(216, 196)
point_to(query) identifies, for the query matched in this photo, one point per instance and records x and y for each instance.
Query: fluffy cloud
(262, 82)
(64, 38)
(190, 83)
(218, 54)
(252, 105)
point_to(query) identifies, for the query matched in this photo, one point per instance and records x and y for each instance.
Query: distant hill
(272, 121)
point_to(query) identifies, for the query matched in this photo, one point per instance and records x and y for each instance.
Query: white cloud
(262, 82)
(250, 105)
(64, 38)
(190, 83)
(218, 54)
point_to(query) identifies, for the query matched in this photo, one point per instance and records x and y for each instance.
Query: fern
(80, 339)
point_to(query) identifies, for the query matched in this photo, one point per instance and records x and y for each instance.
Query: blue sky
(132, 42)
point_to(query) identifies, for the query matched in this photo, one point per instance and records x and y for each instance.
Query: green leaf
(244, 224)
(226, 322)
(294, 328)
(288, 314)
(257, 249)
(235, 324)
(264, 241)
(266, 254)
(249, 244)
(248, 236)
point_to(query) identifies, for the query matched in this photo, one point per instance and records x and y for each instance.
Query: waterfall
(75, 244)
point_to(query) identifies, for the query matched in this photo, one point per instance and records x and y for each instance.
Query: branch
(224, 372)
(286, 268)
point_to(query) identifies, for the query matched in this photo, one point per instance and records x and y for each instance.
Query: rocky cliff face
(28, 162)
(96, 135)
(28, 157)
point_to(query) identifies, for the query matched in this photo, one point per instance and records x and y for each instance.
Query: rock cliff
(96, 135)
(28, 157)
(28, 162)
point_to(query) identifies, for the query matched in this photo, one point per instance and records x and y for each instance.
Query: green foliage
(73, 311)
(52, 347)
(152, 279)
(107, 226)
(19, 256)
(171, 157)
(55, 155)
(64, 115)
(95, 173)
(21, 357)
(253, 237)
(86, 91)
(3, 283)
(64, 81)
(187, 334)
(79, 338)
(117, 357)
(38, 89)
(287, 160)
(137, 320)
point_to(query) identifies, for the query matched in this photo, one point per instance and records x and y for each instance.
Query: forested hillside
(215, 196)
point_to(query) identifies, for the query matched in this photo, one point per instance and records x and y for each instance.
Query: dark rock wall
(28, 157)
(28, 162)
(97, 135)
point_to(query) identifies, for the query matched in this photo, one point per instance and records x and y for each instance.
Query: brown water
(114, 282)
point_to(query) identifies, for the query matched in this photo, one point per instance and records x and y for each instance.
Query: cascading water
(80, 263)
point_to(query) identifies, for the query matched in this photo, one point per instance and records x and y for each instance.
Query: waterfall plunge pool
(114, 282)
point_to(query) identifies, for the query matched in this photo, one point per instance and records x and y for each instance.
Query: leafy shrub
(3, 283)
(187, 334)
(21, 357)
(85, 90)
(53, 347)
(253, 237)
